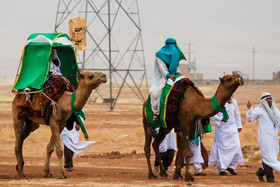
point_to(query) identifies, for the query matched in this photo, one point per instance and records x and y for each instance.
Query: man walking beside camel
(268, 117)
(226, 151)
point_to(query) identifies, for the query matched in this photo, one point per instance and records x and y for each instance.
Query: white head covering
(270, 110)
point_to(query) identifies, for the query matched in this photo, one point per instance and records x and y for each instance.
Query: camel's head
(93, 79)
(228, 85)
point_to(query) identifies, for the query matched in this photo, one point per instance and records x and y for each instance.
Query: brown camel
(192, 109)
(88, 82)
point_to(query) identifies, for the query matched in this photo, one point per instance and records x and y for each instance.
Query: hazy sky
(222, 32)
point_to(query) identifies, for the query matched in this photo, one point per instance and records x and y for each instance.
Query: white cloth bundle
(71, 140)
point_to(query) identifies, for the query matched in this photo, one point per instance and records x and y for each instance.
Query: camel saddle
(38, 104)
(171, 99)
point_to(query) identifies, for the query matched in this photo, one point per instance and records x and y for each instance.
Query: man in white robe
(268, 117)
(72, 144)
(226, 151)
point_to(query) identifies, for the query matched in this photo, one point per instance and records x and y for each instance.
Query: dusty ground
(117, 159)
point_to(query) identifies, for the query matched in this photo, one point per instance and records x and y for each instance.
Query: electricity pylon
(114, 43)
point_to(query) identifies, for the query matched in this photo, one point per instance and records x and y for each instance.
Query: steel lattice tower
(114, 43)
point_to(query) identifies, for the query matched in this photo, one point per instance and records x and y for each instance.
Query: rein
(189, 104)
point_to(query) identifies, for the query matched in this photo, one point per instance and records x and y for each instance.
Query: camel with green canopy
(35, 67)
(35, 61)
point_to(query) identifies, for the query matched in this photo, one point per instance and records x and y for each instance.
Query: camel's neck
(82, 95)
(200, 106)
(222, 95)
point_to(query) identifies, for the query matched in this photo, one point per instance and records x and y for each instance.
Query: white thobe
(159, 80)
(196, 149)
(196, 159)
(226, 150)
(169, 142)
(267, 135)
(71, 140)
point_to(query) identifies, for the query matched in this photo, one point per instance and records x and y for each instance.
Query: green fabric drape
(217, 107)
(35, 60)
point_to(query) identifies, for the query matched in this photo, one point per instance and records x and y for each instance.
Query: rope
(189, 104)
(53, 103)
(54, 112)
(40, 91)
(27, 97)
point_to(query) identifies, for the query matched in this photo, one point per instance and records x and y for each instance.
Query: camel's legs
(147, 147)
(184, 150)
(18, 151)
(49, 151)
(22, 129)
(59, 153)
(187, 152)
(188, 155)
(158, 139)
(179, 156)
(54, 143)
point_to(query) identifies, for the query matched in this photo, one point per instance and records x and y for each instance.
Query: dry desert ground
(117, 158)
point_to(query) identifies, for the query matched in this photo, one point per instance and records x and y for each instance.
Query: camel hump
(183, 84)
(175, 97)
(39, 104)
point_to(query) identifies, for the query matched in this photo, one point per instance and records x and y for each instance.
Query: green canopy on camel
(35, 63)
(35, 60)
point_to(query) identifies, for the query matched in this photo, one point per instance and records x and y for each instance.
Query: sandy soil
(117, 159)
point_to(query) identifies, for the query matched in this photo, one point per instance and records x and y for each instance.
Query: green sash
(217, 107)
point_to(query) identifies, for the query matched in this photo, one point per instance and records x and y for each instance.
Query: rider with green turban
(165, 67)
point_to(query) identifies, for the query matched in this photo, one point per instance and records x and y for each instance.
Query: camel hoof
(163, 174)
(48, 175)
(152, 177)
(189, 179)
(22, 175)
(62, 177)
(176, 177)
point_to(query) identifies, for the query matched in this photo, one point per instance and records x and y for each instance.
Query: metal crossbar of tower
(114, 43)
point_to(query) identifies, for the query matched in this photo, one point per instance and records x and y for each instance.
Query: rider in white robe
(268, 127)
(165, 67)
(226, 151)
(159, 81)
